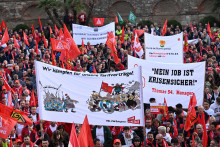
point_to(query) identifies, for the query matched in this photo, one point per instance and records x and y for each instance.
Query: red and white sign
(98, 21)
(137, 46)
(157, 108)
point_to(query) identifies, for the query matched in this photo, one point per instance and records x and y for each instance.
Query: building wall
(25, 11)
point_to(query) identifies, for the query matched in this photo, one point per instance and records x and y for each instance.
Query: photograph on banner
(175, 82)
(166, 49)
(94, 35)
(111, 99)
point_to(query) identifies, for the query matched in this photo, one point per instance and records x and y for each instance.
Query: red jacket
(25, 131)
(30, 145)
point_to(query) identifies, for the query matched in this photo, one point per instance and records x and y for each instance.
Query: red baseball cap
(18, 140)
(3, 87)
(17, 81)
(117, 141)
(218, 127)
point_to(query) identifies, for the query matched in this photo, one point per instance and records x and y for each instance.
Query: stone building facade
(25, 11)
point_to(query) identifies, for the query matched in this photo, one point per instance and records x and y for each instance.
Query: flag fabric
(42, 32)
(111, 42)
(61, 35)
(36, 47)
(94, 70)
(7, 86)
(209, 30)
(122, 36)
(137, 46)
(83, 49)
(58, 45)
(6, 125)
(11, 143)
(16, 43)
(191, 27)
(204, 135)
(73, 141)
(56, 30)
(73, 51)
(25, 39)
(191, 118)
(10, 100)
(166, 109)
(33, 31)
(186, 45)
(51, 32)
(132, 17)
(16, 114)
(53, 58)
(85, 136)
(138, 32)
(107, 88)
(164, 31)
(5, 37)
(3, 25)
(32, 99)
(116, 19)
(120, 20)
(98, 21)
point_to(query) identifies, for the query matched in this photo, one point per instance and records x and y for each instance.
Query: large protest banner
(175, 82)
(94, 35)
(112, 99)
(166, 49)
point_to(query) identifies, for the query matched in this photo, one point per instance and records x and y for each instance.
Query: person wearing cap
(117, 143)
(18, 142)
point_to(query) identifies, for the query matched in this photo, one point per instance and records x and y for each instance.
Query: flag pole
(100, 89)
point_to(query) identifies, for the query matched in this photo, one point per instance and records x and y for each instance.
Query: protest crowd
(19, 91)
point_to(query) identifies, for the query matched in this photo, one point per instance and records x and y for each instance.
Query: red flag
(11, 143)
(116, 19)
(166, 109)
(16, 114)
(191, 118)
(85, 136)
(36, 47)
(73, 51)
(42, 32)
(25, 39)
(186, 45)
(107, 88)
(5, 37)
(50, 30)
(209, 30)
(8, 88)
(53, 58)
(32, 99)
(10, 100)
(94, 70)
(191, 27)
(3, 25)
(61, 35)
(6, 125)
(58, 45)
(33, 31)
(98, 21)
(122, 36)
(16, 43)
(137, 46)
(73, 141)
(139, 32)
(111, 42)
(56, 30)
(204, 135)
(164, 31)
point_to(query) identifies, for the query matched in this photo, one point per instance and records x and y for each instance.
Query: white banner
(175, 82)
(166, 49)
(94, 35)
(112, 99)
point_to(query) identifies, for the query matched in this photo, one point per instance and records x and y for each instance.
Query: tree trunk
(50, 15)
(89, 15)
(57, 17)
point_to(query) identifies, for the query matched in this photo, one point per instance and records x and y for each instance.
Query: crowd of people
(17, 67)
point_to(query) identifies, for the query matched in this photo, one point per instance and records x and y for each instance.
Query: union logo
(162, 43)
